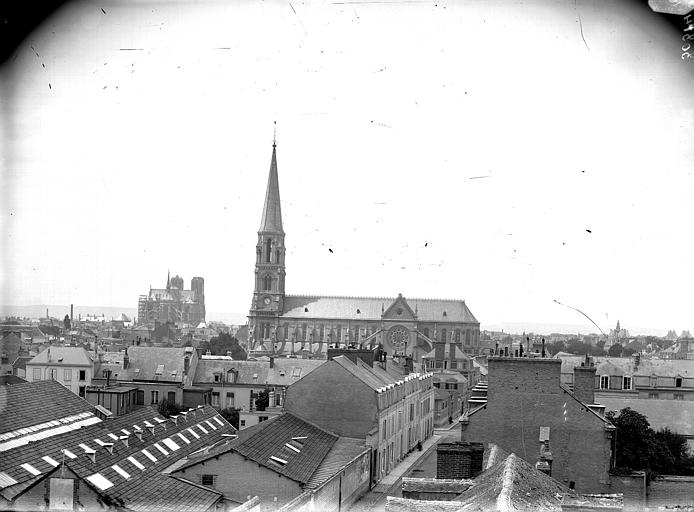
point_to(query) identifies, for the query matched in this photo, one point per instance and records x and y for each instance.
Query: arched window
(267, 283)
(467, 337)
(268, 250)
(443, 334)
(277, 257)
(457, 336)
(321, 333)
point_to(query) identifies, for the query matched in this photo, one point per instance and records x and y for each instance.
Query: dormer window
(678, 382)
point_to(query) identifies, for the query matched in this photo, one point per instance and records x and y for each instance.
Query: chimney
(459, 460)
(71, 313)
(126, 359)
(584, 382)
(108, 378)
(272, 362)
(637, 360)
(521, 350)
(543, 348)
(186, 364)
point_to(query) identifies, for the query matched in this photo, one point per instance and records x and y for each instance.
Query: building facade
(307, 325)
(73, 367)
(173, 304)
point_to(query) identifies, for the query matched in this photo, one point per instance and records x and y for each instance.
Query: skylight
(31, 469)
(160, 448)
(135, 463)
(118, 470)
(204, 430)
(101, 482)
(220, 422)
(113, 436)
(149, 455)
(51, 461)
(69, 454)
(292, 447)
(171, 444)
(211, 424)
(279, 461)
(160, 370)
(195, 434)
(86, 448)
(6, 480)
(185, 439)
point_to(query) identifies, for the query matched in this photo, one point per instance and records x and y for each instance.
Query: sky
(508, 153)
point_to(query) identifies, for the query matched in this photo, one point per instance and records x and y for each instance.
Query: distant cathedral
(302, 325)
(173, 303)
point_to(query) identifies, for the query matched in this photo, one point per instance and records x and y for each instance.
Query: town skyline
(398, 174)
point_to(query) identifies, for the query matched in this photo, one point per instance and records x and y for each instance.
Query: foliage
(220, 345)
(50, 330)
(66, 322)
(628, 352)
(167, 408)
(576, 346)
(639, 447)
(263, 400)
(231, 415)
(615, 350)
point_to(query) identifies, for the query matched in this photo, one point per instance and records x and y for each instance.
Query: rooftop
(66, 356)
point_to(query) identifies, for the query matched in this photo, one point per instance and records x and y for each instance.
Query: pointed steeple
(168, 279)
(272, 212)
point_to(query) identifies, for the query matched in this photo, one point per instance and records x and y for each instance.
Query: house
(11, 347)
(374, 402)
(528, 412)
(71, 366)
(58, 455)
(158, 373)
(284, 460)
(237, 383)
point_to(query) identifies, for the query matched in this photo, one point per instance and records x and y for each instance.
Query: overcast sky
(508, 153)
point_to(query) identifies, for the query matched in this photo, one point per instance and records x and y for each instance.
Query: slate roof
(269, 438)
(677, 415)
(363, 372)
(145, 489)
(344, 308)
(71, 356)
(20, 408)
(284, 373)
(272, 211)
(628, 366)
(344, 451)
(148, 359)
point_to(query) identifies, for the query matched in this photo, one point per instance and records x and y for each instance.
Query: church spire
(168, 279)
(272, 212)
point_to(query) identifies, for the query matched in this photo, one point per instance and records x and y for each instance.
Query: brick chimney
(459, 460)
(584, 382)
(272, 362)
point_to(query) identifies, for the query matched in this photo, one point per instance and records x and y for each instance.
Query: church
(306, 326)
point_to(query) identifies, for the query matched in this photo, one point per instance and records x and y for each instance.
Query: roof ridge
(503, 500)
(408, 299)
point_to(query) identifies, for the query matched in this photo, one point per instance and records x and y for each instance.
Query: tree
(615, 350)
(263, 400)
(641, 448)
(231, 414)
(220, 345)
(168, 408)
(628, 352)
(66, 322)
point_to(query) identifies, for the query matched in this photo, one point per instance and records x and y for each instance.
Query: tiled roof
(149, 359)
(408, 505)
(344, 451)
(67, 356)
(288, 370)
(370, 308)
(33, 403)
(362, 372)
(133, 472)
(248, 372)
(271, 441)
(678, 415)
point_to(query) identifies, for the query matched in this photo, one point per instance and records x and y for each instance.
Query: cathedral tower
(268, 293)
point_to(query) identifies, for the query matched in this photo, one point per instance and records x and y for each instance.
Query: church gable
(399, 310)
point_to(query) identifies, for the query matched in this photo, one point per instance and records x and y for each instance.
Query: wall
(73, 384)
(335, 400)
(238, 477)
(670, 490)
(524, 395)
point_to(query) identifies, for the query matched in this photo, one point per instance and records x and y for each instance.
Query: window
(653, 395)
(454, 365)
(268, 250)
(678, 396)
(67, 375)
(296, 372)
(172, 396)
(457, 335)
(467, 337)
(81, 391)
(443, 334)
(242, 423)
(339, 333)
(215, 399)
(5, 359)
(53, 372)
(155, 397)
(626, 383)
(678, 382)
(37, 373)
(216, 377)
(83, 375)
(262, 418)
(140, 398)
(208, 480)
(230, 399)
(604, 382)
(267, 283)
